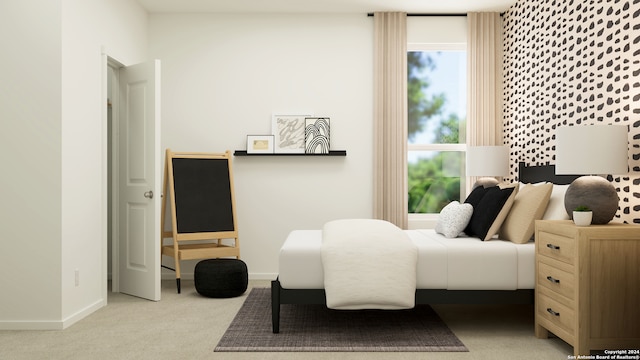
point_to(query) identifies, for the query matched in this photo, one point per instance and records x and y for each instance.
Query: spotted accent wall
(572, 63)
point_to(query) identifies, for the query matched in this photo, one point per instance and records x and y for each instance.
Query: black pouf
(221, 278)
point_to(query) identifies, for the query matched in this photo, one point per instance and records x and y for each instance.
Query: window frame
(429, 220)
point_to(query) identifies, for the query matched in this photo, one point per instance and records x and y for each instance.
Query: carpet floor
(308, 328)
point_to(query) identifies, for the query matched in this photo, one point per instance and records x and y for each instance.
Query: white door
(139, 180)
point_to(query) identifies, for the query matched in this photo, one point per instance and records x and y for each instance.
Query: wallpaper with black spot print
(571, 63)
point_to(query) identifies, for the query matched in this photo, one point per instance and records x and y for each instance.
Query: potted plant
(582, 215)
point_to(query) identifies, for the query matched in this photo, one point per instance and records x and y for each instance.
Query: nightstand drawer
(556, 246)
(556, 313)
(557, 280)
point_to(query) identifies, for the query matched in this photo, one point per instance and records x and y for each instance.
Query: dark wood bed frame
(530, 174)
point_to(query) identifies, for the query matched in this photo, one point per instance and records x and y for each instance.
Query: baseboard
(70, 320)
(172, 276)
(31, 325)
(252, 276)
(263, 276)
(52, 324)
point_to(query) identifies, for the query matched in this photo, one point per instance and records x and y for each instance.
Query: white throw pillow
(555, 208)
(453, 219)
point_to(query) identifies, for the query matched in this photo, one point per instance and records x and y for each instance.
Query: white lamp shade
(487, 161)
(592, 150)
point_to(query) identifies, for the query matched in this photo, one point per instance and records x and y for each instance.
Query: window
(436, 126)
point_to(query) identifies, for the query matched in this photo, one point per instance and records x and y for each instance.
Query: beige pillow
(502, 215)
(529, 205)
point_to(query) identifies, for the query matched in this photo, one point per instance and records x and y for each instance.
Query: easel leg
(177, 262)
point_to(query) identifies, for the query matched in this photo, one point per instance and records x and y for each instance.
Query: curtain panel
(485, 81)
(484, 71)
(390, 198)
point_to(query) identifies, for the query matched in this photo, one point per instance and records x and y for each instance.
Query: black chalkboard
(203, 195)
(201, 200)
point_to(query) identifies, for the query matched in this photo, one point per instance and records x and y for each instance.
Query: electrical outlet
(77, 277)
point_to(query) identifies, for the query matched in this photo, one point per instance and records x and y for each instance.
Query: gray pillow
(453, 219)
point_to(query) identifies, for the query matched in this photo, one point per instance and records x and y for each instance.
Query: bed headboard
(533, 174)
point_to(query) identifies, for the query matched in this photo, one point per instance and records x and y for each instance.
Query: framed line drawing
(316, 135)
(288, 132)
(259, 144)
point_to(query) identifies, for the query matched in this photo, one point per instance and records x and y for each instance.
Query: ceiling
(323, 6)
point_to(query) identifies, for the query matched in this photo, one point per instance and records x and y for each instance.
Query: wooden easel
(200, 188)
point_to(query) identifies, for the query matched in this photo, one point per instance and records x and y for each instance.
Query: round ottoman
(221, 278)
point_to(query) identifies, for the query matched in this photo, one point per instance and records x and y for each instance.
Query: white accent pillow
(453, 219)
(555, 208)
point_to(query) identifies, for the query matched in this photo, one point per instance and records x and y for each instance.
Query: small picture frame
(288, 132)
(260, 144)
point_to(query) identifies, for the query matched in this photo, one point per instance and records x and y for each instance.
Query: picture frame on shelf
(288, 132)
(260, 144)
(317, 135)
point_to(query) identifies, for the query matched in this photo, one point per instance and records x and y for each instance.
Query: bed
(448, 270)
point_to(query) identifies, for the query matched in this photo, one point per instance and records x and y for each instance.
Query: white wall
(223, 76)
(53, 208)
(439, 30)
(120, 28)
(30, 154)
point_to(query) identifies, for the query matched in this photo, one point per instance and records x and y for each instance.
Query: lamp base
(485, 182)
(595, 192)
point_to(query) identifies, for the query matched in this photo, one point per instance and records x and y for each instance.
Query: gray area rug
(317, 328)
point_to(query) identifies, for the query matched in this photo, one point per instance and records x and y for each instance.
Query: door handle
(148, 194)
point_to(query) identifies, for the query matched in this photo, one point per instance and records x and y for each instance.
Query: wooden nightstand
(588, 285)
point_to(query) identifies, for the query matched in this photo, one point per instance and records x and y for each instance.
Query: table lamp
(592, 150)
(487, 161)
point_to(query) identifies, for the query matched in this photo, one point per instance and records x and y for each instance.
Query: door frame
(110, 172)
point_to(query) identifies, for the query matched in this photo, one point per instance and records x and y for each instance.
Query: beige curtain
(484, 73)
(390, 118)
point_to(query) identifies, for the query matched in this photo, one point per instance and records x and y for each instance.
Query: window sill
(422, 221)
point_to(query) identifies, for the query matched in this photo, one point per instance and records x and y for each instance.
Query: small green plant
(582, 208)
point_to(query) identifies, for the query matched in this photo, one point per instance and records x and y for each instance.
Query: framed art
(259, 144)
(288, 132)
(316, 135)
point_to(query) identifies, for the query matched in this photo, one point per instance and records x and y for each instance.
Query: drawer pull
(553, 280)
(553, 247)
(550, 311)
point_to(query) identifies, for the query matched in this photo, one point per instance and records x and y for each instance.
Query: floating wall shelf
(331, 153)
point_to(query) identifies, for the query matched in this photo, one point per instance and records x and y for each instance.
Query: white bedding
(454, 264)
(368, 264)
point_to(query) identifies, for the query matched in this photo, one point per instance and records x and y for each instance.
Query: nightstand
(588, 284)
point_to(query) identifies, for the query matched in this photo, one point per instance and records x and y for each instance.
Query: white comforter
(368, 264)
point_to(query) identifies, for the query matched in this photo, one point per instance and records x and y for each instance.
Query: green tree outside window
(430, 187)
